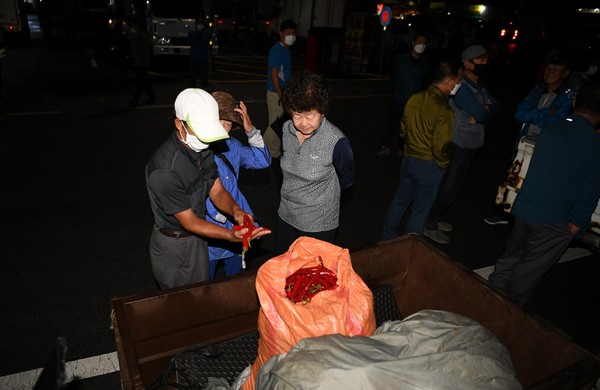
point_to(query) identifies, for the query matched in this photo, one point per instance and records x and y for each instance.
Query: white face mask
(194, 143)
(420, 48)
(455, 89)
(289, 40)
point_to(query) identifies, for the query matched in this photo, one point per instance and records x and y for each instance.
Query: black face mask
(480, 69)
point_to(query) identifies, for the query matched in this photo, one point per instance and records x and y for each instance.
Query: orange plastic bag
(346, 310)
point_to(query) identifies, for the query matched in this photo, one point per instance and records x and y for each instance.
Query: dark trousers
(286, 234)
(393, 126)
(531, 250)
(452, 183)
(199, 70)
(142, 84)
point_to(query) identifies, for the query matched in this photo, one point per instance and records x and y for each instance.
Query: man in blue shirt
(279, 72)
(557, 198)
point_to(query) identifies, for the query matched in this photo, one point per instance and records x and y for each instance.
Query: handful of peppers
(246, 238)
(305, 283)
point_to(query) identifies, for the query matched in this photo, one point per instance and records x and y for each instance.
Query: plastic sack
(429, 350)
(345, 310)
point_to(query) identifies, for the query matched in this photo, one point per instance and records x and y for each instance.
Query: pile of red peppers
(305, 283)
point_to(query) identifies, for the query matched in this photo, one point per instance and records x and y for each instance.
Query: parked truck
(169, 21)
(13, 20)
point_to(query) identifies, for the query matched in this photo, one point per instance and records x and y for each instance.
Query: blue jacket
(469, 102)
(528, 112)
(255, 156)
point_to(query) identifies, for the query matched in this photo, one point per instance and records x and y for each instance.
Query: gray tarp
(428, 350)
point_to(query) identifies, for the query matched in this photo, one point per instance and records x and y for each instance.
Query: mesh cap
(200, 111)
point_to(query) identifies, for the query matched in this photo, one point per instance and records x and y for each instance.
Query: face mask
(289, 39)
(194, 143)
(420, 48)
(592, 70)
(480, 69)
(455, 89)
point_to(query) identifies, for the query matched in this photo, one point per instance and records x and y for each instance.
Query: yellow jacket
(427, 126)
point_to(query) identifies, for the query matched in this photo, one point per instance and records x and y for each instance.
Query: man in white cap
(181, 174)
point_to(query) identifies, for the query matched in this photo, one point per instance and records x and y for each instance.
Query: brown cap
(227, 104)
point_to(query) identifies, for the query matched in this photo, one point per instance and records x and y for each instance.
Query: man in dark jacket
(557, 198)
(408, 76)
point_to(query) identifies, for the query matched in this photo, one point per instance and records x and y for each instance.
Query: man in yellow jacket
(427, 131)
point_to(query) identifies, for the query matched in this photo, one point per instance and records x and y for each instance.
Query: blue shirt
(281, 59)
(563, 179)
(255, 156)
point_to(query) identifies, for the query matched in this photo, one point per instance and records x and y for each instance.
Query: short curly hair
(305, 92)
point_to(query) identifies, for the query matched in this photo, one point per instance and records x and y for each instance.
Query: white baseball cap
(199, 110)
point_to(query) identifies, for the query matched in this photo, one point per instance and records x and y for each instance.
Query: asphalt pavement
(76, 219)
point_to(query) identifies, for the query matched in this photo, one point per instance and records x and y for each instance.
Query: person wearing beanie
(180, 175)
(473, 108)
(230, 156)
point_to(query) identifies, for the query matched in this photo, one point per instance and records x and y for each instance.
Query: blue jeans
(418, 186)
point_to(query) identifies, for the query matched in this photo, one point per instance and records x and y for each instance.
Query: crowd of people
(443, 126)
(438, 115)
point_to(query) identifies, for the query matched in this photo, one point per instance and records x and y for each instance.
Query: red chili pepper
(246, 238)
(305, 283)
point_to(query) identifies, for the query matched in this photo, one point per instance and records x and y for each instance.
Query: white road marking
(570, 254)
(109, 363)
(77, 369)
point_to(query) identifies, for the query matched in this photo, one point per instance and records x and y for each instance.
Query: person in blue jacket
(557, 198)
(230, 155)
(473, 108)
(546, 103)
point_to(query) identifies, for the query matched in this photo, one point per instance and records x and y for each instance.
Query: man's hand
(245, 224)
(574, 229)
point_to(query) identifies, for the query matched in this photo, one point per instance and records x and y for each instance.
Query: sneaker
(437, 236)
(384, 151)
(445, 226)
(496, 220)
